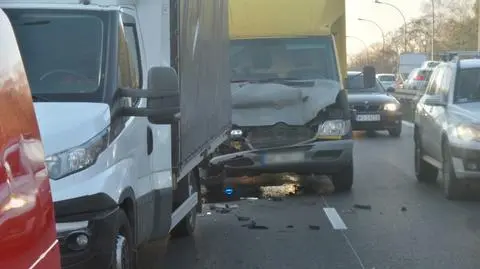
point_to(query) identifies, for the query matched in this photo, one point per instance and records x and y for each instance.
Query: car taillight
(419, 78)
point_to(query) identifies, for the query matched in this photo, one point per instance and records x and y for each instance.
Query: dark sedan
(374, 109)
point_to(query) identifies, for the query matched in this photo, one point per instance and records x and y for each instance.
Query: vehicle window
(412, 74)
(386, 78)
(296, 58)
(135, 65)
(355, 83)
(432, 84)
(445, 83)
(129, 70)
(69, 57)
(467, 88)
(426, 74)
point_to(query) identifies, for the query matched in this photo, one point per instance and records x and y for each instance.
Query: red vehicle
(27, 223)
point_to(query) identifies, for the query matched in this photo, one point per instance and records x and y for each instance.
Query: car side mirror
(390, 89)
(163, 97)
(434, 100)
(369, 77)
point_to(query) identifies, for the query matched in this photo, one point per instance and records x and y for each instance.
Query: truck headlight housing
(236, 133)
(70, 161)
(333, 128)
(391, 107)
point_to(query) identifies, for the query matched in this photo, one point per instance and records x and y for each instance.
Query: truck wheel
(424, 171)
(123, 255)
(187, 225)
(343, 180)
(453, 188)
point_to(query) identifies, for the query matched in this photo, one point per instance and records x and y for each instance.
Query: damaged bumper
(323, 157)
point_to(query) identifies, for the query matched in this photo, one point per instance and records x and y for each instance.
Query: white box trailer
(125, 136)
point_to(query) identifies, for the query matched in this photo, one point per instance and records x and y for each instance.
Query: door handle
(149, 140)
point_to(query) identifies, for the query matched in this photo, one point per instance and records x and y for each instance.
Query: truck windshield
(292, 58)
(63, 52)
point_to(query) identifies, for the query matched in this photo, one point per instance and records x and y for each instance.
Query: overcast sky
(387, 17)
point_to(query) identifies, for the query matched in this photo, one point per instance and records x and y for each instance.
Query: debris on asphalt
(314, 227)
(253, 226)
(289, 226)
(359, 206)
(404, 208)
(240, 218)
(275, 199)
(249, 198)
(278, 192)
(349, 211)
(223, 210)
(232, 206)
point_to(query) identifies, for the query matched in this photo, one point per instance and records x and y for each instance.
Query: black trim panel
(83, 205)
(163, 213)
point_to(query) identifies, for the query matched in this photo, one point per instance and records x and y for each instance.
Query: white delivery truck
(125, 137)
(408, 62)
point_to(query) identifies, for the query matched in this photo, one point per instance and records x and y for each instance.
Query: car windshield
(355, 84)
(291, 58)
(62, 52)
(386, 78)
(467, 88)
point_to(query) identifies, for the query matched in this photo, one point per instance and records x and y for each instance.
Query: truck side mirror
(164, 82)
(163, 97)
(369, 77)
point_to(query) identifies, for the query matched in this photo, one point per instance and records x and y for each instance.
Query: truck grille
(278, 135)
(367, 107)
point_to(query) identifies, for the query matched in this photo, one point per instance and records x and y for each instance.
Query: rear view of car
(27, 223)
(388, 81)
(418, 79)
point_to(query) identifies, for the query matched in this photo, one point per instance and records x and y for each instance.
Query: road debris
(360, 206)
(240, 218)
(253, 226)
(249, 198)
(314, 227)
(289, 226)
(404, 208)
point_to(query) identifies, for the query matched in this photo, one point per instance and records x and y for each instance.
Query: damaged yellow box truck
(290, 107)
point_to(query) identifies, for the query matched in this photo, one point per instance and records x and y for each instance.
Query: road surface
(410, 225)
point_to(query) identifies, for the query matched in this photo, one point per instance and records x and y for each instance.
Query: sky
(386, 16)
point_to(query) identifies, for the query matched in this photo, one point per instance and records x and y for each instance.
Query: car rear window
(425, 73)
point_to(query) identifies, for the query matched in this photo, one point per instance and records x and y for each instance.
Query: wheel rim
(122, 251)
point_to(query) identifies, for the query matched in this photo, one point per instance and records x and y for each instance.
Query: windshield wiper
(38, 98)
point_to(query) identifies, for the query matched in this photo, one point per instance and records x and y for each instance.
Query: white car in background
(387, 80)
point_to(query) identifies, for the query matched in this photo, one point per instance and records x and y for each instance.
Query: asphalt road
(409, 225)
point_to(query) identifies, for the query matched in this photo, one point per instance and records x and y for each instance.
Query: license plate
(283, 157)
(370, 117)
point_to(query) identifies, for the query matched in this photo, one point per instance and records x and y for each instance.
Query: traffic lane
(299, 235)
(410, 225)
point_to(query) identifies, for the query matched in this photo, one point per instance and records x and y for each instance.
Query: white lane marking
(407, 123)
(334, 218)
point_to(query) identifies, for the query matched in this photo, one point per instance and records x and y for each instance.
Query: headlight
(467, 132)
(78, 158)
(391, 107)
(235, 133)
(334, 128)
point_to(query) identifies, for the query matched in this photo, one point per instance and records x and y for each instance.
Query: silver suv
(447, 127)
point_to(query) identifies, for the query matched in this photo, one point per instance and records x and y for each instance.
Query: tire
(343, 180)
(395, 132)
(452, 186)
(424, 171)
(123, 245)
(186, 227)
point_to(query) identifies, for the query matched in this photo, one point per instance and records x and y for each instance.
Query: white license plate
(370, 117)
(271, 158)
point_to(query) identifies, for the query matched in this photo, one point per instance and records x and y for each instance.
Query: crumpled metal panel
(204, 74)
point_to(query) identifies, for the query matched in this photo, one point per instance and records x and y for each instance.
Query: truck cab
(124, 145)
(27, 221)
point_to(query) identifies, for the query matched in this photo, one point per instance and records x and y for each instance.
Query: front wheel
(424, 171)
(343, 180)
(123, 254)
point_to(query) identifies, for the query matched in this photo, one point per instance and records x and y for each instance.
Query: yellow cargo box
(251, 19)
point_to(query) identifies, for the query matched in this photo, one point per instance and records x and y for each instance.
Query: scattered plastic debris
(275, 199)
(314, 227)
(289, 226)
(359, 206)
(249, 198)
(404, 208)
(240, 218)
(253, 226)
